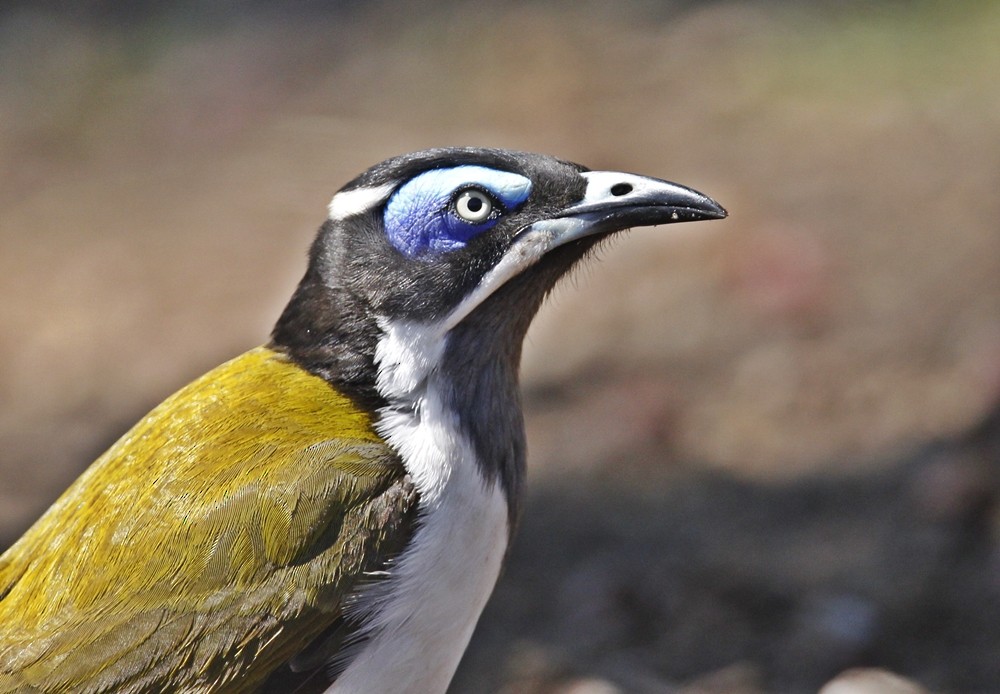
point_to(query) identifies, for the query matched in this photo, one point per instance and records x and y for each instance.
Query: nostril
(620, 189)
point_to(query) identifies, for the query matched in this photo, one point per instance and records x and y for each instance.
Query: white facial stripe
(524, 253)
(400, 371)
(348, 203)
(409, 352)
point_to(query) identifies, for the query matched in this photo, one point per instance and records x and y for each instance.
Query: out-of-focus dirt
(754, 449)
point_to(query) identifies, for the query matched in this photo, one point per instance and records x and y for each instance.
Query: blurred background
(763, 451)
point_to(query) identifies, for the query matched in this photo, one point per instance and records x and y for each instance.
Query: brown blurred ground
(753, 443)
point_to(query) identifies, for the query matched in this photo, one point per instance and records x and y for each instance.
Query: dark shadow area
(793, 582)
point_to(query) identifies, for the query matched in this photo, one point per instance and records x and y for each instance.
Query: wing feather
(210, 545)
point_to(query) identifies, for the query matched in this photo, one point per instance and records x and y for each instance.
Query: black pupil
(474, 204)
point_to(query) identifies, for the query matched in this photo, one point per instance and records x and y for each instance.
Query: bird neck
(393, 367)
(464, 379)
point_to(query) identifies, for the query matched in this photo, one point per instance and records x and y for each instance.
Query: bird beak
(615, 201)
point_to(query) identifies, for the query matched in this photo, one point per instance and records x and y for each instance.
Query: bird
(328, 512)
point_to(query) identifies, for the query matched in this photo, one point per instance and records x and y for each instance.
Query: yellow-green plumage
(226, 522)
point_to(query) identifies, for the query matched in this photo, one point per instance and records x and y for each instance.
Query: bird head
(454, 247)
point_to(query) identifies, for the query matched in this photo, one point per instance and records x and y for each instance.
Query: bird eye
(473, 205)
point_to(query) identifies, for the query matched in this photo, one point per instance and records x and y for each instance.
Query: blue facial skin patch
(420, 217)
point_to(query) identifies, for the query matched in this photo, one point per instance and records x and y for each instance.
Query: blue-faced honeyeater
(328, 512)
